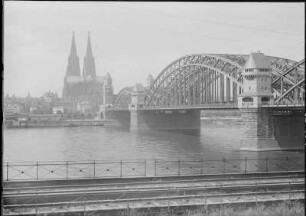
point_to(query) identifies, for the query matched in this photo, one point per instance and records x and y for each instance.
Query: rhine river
(218, 139)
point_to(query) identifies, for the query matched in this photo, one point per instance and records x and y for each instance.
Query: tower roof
(73, 50)
(89, 68)
(73, 67)
(138, 87)
(88, 51)
(257, 60)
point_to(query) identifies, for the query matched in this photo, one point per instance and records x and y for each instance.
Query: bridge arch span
(220, 66)
(199, 72)
(123, 98)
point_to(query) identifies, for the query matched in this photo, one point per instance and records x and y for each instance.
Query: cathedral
(86, 91)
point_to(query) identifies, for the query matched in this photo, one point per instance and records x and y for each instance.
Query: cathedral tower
(73, 67)
(89, 67)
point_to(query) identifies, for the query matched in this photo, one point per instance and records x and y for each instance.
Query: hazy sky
(133, 40)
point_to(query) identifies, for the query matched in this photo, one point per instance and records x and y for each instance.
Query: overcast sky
(133, 40)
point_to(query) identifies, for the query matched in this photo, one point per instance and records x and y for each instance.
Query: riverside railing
(146, 168)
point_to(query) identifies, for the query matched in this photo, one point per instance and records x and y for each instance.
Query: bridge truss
(205, 79)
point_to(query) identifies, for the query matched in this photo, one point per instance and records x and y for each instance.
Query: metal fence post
(168, 202)
(7, 171)
(36, 211)
(155, 167)
(128, 208)
(84, 204)
(289, 195)
(223, 165)
(205, 209)
(287, 162)
(245, 164)
(121, 168)
(179, 167)
(201, 166)
(221, 204)
(37, 170)
(267, 164)
(94, 168)
(67, 170)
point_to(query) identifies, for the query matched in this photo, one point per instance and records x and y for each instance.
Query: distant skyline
(131, 40)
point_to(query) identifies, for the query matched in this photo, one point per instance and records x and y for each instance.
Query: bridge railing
(147, 168)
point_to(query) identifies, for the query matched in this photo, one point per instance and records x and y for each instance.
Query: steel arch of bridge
(216, 78)
(123, 98)
(193, 79)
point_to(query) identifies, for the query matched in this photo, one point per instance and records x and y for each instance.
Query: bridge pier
(116, 117)
(269, 129)
(165, 120)
(258, 130)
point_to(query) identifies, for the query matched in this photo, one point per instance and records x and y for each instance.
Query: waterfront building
(84, 107)
(86, 88)
(33, 109)
(58, 110)
(12, 108)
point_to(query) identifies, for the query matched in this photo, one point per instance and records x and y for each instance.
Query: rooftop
(257, 60)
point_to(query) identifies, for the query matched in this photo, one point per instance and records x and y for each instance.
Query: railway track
(154, 193)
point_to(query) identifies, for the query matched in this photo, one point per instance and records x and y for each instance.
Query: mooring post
(120, 168)
(179, 167)
(7, 171)
(37, 170)
(223, 165)
(94, 169)
(245, 164)
(267, 164)
(155, 167)
(145, 168)
(67, 170)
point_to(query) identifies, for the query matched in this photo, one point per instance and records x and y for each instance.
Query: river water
(218, 139)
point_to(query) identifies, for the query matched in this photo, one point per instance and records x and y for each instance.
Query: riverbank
(62, 123)
(277, 209)
(184, 195)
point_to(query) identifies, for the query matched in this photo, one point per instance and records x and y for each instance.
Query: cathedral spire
(73, 67)
(88, 51)
(89, 68)
(73, 50)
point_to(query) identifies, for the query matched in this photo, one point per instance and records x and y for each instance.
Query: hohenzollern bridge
(269, 92)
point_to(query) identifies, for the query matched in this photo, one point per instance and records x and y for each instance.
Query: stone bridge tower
(257, 82)
(257, 128)
(108, 91)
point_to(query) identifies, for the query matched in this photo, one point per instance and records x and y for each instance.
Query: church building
(86, 88)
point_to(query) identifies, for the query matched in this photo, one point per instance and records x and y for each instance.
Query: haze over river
(218, 139)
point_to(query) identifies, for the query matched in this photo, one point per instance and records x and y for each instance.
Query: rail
(170, 201)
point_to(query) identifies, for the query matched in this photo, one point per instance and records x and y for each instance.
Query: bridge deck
(216, 106)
